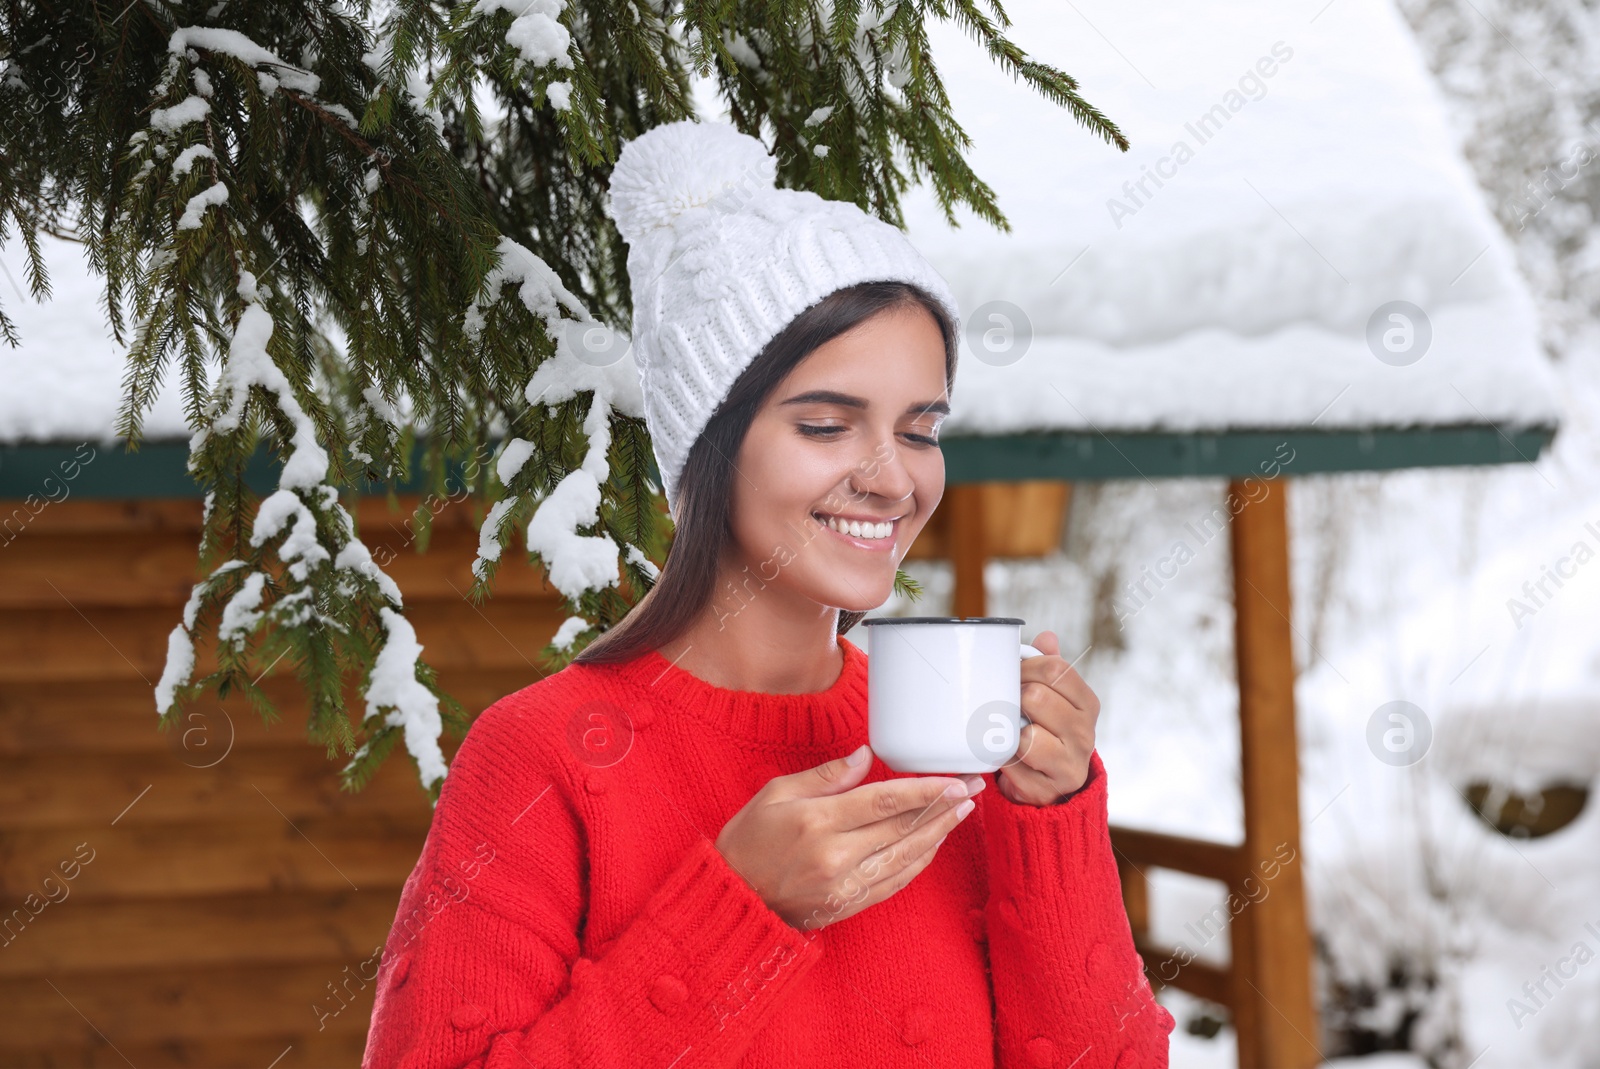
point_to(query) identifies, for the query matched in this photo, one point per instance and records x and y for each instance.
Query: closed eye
(818, 432)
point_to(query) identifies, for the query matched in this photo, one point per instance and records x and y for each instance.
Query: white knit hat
(720, 261)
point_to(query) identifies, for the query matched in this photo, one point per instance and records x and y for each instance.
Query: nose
(881, 474)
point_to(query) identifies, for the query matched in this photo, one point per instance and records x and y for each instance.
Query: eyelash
(818, 432)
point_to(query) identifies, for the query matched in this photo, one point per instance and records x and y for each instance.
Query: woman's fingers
(902, 824)
(1064, 679)
(904, 799)
(893, 864)
(878, 836)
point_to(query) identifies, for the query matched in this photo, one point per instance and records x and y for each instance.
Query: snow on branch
(194, 211)
(249, 364)
(190, 109)
(235, 44)
(576, 563)
(412, 707)
(534, 32)
(301, 521)
(538, 286)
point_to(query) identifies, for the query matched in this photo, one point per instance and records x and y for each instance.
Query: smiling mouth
(872, 534)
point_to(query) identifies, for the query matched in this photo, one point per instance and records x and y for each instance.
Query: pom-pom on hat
(720, 261)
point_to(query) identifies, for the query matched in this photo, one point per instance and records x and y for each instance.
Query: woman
(679, 851)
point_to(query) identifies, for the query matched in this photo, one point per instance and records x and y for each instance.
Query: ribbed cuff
(1030, 846)
(1045, 858)
(737, 956)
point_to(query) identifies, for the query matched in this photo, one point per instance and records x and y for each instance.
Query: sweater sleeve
(1069, 988)
(483, 968)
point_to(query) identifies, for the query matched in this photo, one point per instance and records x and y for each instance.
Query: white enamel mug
(944, 694)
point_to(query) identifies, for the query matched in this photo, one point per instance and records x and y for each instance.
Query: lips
(878, 543)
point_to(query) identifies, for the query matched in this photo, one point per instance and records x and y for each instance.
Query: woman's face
(851, 433)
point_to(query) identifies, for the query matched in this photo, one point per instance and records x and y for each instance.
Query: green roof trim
(1092, 456)
(55, 471)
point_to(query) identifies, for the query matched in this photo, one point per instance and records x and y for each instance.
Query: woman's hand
(1052, 758)
(817, 848)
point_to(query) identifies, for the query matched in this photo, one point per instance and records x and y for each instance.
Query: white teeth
(857, 529)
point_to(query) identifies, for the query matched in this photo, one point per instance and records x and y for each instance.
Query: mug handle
(1029, 651)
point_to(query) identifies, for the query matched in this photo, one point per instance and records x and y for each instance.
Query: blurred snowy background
(1436, 933)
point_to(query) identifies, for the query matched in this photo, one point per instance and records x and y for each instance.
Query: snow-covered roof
(64, 383)
(1292, 171)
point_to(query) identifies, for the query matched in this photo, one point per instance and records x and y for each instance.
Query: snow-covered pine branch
(346, 231)
(302, 523)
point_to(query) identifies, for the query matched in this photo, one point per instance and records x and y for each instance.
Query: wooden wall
(221, 885)
(232, 888)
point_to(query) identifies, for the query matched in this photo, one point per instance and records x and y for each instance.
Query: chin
(862, 597)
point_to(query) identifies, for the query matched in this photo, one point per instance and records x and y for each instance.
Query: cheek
(775, 465)
(772, 485)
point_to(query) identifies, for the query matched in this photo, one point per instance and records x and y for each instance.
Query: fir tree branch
(314, 224)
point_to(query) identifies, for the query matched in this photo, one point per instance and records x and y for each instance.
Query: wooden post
(968, 548)
(1135, 899)
(1275, 1013)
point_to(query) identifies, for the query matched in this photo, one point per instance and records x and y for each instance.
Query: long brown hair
(704, 524)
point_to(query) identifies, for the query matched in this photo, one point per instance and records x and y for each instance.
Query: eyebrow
(832, 397)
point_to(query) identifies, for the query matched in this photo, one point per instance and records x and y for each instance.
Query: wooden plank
(131, 643)
(1094, 454)
(69, 790)
(1135, 897)
(93, 568)
(1020, 519)
(1024, 518)
(1081, 455)
(79, 514)
(1163, 966)
(968, 552)
(340, 1045)
(55, 568)
(188, 1005)
(1216, 861)
(1274, 1006)
(283, 928)
(237, 854)
(111, 716)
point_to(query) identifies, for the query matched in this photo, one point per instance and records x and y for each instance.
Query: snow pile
(1292, 173)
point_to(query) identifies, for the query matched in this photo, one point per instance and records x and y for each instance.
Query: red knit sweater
(570, 909)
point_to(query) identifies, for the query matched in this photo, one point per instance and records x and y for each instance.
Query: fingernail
(855, 759)
(956, 790)
(966, 807)
(942, 838)
(976, 784)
